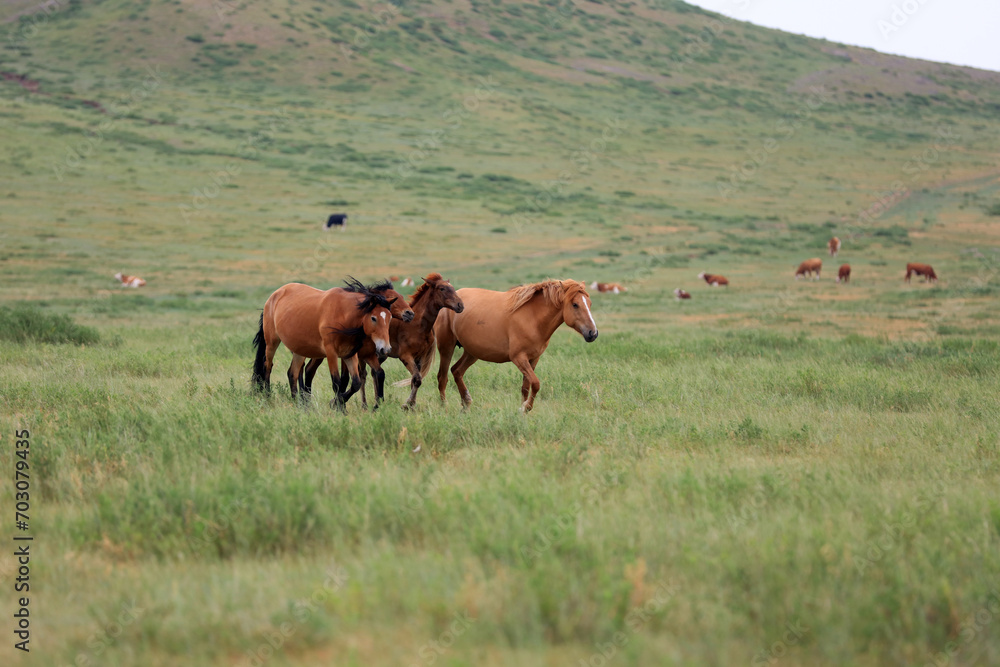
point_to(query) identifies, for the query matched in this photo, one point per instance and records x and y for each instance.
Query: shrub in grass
(28, 323)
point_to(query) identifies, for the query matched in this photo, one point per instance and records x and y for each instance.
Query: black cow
(337, 220)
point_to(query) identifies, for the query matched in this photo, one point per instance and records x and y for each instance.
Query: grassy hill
(706, 473)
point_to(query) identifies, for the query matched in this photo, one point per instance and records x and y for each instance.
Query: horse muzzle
(460, 307)
(590, 336)
(407, 316)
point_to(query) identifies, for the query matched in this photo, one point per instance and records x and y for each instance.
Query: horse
(413, 342)
(513, 326)
(314, 323)
(401, 312)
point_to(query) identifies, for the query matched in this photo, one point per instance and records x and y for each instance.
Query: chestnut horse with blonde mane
(412, 342)
(313, 323)
(513, 326)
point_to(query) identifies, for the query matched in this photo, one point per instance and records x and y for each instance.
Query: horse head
(442, 293)
(576, 310)
(376, 326)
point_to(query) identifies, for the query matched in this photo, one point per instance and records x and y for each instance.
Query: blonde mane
(554, 291)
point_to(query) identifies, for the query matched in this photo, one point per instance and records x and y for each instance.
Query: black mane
(374, 294)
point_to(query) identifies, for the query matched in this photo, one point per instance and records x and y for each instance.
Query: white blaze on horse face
(590, 317)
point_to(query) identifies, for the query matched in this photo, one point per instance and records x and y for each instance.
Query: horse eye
(373, 319)
(576, 305)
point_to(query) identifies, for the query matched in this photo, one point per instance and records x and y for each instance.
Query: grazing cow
(713, 279)
(129, 281)
(614, 288)
(924, 270)
(809, 267)
(681, 294)
(407, 282)
(844, 274)
(834, 245)
(338, 220)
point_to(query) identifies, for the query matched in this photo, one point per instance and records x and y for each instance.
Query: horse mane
(374, 293)
(554, 291)
(424, 286)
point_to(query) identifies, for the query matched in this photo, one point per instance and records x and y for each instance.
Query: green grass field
(773, 473)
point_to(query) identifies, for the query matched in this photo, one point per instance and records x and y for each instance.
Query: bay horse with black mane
(513, 326)
(399, 309)
(412, 342)
(312, 323)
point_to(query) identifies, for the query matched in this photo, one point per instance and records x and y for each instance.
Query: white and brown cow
(834, 246)
(613, 288)
(129, 281)
(844, 273)
(924, 270)
(810, 267)
(407, 282)
(682, 294)
(713, 279)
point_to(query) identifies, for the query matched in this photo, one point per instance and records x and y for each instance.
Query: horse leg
(306, 379)
(295, 373)
(352, 368)
(415, 380)
(379, 376)
(270, 351)
(363, 374)
(458, 370)
(527, 367)
(446, 348)
(332, 361)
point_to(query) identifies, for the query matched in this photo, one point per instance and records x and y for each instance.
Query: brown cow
(834, 246)
(844, 274)
(809, 267)
(713, 279)
(614, 288)
(924, 270)
(682, 294)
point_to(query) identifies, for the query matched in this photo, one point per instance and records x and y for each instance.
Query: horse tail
(260, 346)
(425, 367)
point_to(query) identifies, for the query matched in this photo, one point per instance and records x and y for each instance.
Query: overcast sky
(962, 32)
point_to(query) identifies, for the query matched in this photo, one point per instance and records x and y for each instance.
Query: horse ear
(393, 300)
